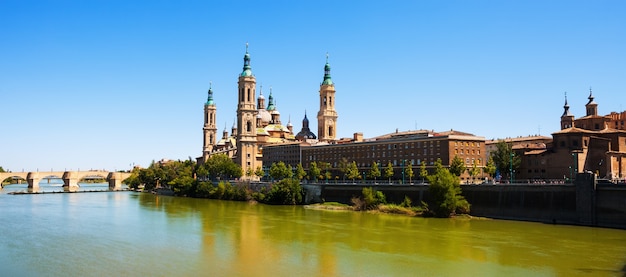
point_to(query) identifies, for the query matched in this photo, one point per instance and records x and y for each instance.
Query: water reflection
(246, 239)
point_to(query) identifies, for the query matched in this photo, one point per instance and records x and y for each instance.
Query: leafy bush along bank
(180, 176)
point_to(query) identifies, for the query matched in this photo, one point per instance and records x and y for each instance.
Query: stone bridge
(70, 178)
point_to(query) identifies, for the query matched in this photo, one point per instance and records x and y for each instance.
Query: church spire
(592, 106)
(327, 79)
(247, 70)
(566, 107)
(590, 96)
(270, 104)
(209, 100)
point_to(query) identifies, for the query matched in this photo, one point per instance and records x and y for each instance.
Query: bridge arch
(70, 178)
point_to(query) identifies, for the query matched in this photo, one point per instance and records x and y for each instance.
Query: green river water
(140, 234)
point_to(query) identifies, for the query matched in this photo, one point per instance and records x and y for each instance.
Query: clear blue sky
(105, 84)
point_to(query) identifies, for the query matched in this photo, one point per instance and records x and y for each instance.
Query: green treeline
(209, 180)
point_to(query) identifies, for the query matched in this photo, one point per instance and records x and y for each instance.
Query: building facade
(589, 143)
(401, 149)
(258, 126)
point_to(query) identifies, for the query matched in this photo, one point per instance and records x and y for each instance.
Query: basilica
(258, 125)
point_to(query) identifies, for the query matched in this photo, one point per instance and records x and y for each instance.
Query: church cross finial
(326, 57)
(246, 47)
(210, 84)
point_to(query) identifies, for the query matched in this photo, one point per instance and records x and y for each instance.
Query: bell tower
(567, 119)
(247, 147)
(210, 128)
(327, 115)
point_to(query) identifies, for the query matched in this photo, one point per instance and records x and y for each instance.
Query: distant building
(400, 149)
(589, 143)
(258, 126)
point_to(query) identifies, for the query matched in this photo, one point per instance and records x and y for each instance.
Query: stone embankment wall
(583, 203)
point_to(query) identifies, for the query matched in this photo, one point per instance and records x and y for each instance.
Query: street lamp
(570, 173)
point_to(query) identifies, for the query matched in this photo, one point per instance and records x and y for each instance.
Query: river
(140, 234)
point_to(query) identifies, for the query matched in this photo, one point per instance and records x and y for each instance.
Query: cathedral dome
(264, 115)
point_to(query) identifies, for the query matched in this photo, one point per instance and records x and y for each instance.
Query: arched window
(330, 131)
(248, 126)
(241, 98)
(248, 95)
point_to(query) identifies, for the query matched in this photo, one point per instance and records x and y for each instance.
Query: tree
(445, 193)
(502, 158)
(374, 171)
(423, 171)
(201, 172)
(280, 171)
(220, 165)
(343, 167)
(1, 169)
(473, 172)
(353, 171)
(409, 172)
(490, 167)
(389, 171)
(300, 173)
(314, 171)
(457, 166)
(249, 172)
(325, 170)
(285, 192)
(259, 172)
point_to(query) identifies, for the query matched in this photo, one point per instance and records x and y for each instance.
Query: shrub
(285, 192)
(369, 199)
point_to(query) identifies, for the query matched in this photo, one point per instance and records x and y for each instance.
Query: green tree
(490, 167)
(314, 171)
(280, 171)
(300, 173)
(220, 165)
(325, 170)
(370, 199)
(445, 193)
(343, 167)
(249, 172)
(423, 171)
(474, 171)
(374, 171)
(457, 166)
(502, 158)
(201, 172)
(353, 171)
(1, 169)
(285, 192)
(259, 172)
(389, 171)
(409, 172)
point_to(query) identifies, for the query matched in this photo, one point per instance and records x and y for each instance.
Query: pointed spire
(566, 107)
(327, 79)
(247, 70)
(590, 96)
(270, 104)
(209, 100)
